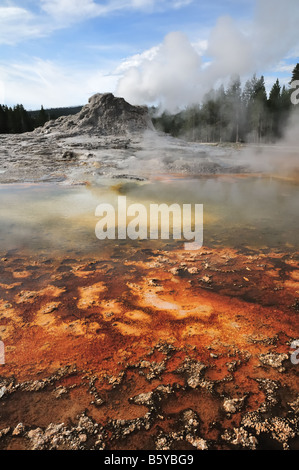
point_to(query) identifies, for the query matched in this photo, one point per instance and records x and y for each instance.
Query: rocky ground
(107, 138)
(88, 158)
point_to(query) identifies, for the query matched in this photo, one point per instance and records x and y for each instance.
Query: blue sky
(60, 52)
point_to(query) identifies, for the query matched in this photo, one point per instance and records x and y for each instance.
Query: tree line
(234, 114)
(16, 120)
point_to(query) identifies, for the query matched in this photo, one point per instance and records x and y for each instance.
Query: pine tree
(10, 120)
(234, 107)
(17, 119)
(255, 99)
(42, 117)
(295, 74)
(209, 117)
(285, 100)
(2, 120)
(274, 106)
(26, 121)
(222, 114)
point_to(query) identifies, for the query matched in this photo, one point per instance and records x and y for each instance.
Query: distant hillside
(54, 113)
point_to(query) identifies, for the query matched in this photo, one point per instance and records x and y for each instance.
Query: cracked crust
(96, 360)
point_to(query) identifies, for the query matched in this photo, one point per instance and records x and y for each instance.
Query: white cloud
(69, 10)
(43, 82)
(181, 3)
(137, 59)
(282, 67)
(17, 24)
(78, 10)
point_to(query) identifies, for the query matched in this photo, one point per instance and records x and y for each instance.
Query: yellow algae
(90, 295)
(30, 296)
(9, 286)
(21, 274)
(295, 275)
(138, 315)
(8, 312)
(129, 330)
(45, 321)
(110, 308)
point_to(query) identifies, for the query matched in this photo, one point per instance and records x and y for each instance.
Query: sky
(58, 53)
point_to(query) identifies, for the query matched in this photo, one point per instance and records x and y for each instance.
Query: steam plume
(176, 76)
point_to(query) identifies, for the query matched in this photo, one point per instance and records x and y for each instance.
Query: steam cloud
(177, 76)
